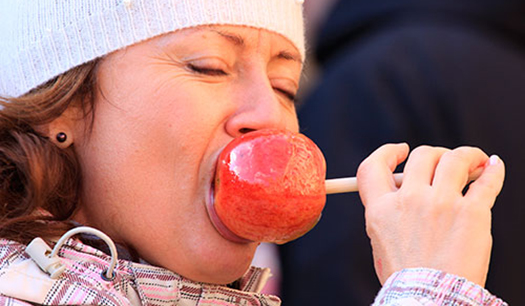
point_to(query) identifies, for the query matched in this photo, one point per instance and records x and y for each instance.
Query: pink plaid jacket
(23, 283)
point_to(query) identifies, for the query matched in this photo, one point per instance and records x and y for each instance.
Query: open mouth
(216, 220)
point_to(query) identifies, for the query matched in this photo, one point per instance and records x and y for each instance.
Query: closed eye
(288, 95)
(206, 70)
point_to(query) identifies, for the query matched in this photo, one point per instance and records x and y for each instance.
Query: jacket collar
(135, 283)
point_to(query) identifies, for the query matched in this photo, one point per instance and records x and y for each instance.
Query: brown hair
(39, 182)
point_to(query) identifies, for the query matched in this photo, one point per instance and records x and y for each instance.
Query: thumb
(374, 175)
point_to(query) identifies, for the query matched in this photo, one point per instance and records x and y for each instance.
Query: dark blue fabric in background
(446, 73)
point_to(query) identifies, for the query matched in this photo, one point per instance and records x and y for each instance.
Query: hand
(428, 221)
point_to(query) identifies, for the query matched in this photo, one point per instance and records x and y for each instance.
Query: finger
(421, 164)
(374, 175)
(452, 172)
(487, 187)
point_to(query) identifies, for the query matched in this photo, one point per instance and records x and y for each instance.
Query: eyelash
(207, 71)
(289, 95)
(218, 72)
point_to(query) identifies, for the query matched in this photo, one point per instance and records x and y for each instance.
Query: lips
(218, 224)
(210, 208)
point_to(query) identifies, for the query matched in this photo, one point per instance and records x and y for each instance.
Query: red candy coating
(269, 187)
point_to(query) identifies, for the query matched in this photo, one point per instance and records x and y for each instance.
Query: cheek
(189, 106)
(294, 123)
(151, 147)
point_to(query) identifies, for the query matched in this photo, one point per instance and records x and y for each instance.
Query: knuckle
(427, 201)
(459, 155)
(411, 196)
(475, 211)
(422, 150)
(468, 151)
(365, 167)
(426, 150)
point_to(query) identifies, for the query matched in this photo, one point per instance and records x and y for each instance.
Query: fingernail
(494, 160)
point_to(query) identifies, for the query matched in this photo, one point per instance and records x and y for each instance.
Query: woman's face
(164, 110)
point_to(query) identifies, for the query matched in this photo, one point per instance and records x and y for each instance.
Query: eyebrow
(239, 41)
(289, 56)
(234, 38)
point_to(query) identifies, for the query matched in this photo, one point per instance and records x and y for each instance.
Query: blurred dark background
(446, 73)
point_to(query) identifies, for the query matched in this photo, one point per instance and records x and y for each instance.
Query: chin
(224, 267)
(221, 275)
(211, 265)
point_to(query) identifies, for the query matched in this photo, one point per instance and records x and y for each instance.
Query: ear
(61, 131)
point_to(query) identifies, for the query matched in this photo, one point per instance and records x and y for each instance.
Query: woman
(114, 115)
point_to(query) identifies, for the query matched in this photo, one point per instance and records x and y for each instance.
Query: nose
(258, 107)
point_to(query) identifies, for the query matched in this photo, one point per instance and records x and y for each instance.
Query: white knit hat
(41, 39)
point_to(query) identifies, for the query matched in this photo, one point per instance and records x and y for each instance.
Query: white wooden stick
(349, 184)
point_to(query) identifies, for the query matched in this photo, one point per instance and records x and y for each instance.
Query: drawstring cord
(49, 261)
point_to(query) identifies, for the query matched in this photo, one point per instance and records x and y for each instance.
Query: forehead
(239, 37)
